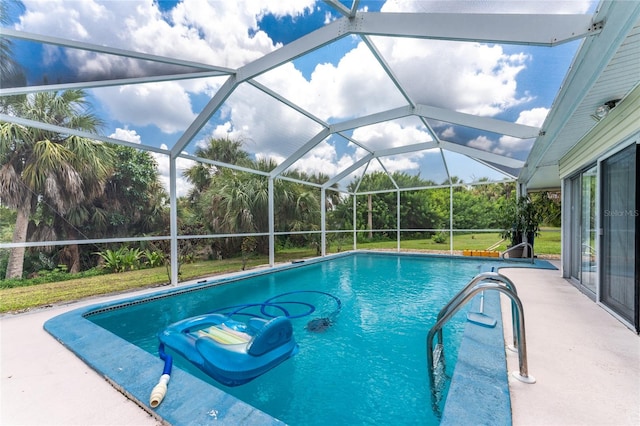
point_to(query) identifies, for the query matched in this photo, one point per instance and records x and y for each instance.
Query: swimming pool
(368, 368)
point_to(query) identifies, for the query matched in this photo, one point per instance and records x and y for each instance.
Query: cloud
(126, 135)
(355, 86)
(483, 143)
(448, 133)
(508, 145)
(324, 158)
(390, 134)
(165, 105)
(534, 117)
(467, 77)
(397, 163)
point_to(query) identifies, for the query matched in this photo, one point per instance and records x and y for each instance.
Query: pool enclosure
(416, 95)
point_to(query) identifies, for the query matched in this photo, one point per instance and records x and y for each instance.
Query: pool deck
(586, 363)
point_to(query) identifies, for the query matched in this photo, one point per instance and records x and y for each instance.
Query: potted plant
(521, 220)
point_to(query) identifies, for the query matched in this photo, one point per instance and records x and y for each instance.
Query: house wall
(620, 129)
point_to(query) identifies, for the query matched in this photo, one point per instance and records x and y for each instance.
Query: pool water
(368, 367)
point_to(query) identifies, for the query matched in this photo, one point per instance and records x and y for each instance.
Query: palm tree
(56, 171)
(232, 201)
(199, 211)
(239, 202)
(222, 150)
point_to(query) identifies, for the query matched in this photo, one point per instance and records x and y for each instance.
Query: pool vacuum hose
(160, 390)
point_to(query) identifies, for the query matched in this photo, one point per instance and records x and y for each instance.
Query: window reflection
(588, 226)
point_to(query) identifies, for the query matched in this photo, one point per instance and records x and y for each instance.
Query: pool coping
(138, 375)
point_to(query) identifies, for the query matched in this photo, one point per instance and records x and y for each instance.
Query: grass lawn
(28, 296)
(547, 243)
(22, 298)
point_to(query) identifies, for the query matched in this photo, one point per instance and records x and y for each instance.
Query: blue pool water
(369, 367)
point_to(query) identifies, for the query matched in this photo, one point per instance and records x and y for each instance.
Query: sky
(337, 82)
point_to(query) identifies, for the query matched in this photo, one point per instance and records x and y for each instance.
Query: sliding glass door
(619, 217)
(583, 230)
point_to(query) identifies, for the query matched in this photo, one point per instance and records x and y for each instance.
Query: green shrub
(439, 238)
(123, 259)
(153, 258)
(131, 259)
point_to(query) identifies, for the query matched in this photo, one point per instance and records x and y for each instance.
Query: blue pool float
(231, 352)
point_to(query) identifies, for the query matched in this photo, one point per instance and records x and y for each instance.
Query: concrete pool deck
(587, 366)
(585, 361)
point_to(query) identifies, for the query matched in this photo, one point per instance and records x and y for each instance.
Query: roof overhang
(606, 67)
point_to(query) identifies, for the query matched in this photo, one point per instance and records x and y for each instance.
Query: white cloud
(398, 163)
(357, 86)
(324, 159)
(508, 145)
(448, 133)
(126, 135)
(165, 105)
(534, 117)
(221, 33)
(467, 77)
(390, 134)
(482, 142)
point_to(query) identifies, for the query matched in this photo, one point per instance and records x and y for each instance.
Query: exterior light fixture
(603, 110)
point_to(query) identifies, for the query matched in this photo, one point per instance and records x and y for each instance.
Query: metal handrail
(482, 282)
(518, 246)
(484, 276)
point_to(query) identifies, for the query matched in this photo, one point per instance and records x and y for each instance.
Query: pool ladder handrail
(518, 246)
(484, 276)
(482, 282)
